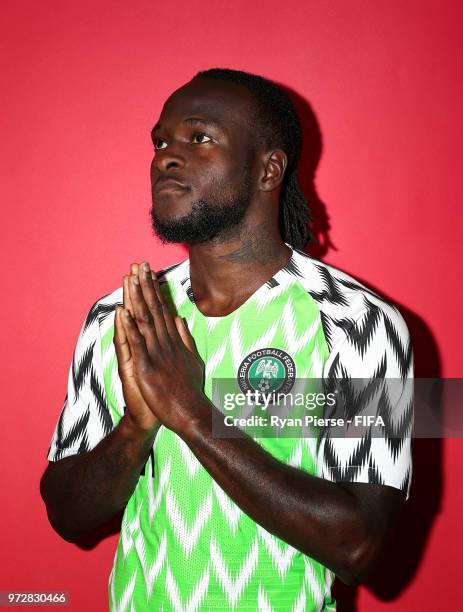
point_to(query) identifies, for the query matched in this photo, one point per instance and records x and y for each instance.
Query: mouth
(168, 185)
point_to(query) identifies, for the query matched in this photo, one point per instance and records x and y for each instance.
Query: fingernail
(135, 279)
(146, 267)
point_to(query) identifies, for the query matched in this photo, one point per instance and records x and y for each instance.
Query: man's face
(203, 140)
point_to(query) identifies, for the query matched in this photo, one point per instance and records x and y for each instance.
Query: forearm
(84, 491)
(316, 516)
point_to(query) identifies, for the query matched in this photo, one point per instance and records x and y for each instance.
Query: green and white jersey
(184, 544)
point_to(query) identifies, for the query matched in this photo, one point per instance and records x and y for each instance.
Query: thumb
(185, 334)
(123, 353)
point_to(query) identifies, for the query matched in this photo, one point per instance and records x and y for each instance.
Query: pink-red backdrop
(83, 84)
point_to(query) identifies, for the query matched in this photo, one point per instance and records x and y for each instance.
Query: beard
(217, 217)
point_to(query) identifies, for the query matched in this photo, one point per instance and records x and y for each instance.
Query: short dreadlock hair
(280, 127)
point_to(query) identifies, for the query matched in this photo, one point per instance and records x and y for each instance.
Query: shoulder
(346, 305)
(336, 292)
(365, 333)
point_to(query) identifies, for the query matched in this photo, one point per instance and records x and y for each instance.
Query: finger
(147, 305)
(126, 294)
(133, 270)
(136, 341)
(170, 323)
(157, 287)
(121, 344)
(155, 301)
(185, 334)
(143, 315)
(168, 318)
(150, 286)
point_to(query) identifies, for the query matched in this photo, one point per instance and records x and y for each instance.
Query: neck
(224, 273)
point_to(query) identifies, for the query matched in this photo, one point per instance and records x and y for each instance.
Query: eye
(201, 135)
(158, 142)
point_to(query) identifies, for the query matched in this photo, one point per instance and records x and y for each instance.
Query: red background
(85, 82)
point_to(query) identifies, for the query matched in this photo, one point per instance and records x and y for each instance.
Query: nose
(166, 160)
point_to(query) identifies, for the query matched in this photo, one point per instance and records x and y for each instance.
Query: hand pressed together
(161, 371)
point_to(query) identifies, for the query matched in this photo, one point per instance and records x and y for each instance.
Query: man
(230, 522)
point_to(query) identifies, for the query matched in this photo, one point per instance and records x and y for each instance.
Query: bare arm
(81, 492)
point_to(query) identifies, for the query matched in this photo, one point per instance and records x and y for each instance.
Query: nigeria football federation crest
(267, 371)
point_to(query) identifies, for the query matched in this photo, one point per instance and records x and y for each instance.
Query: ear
(273, 170)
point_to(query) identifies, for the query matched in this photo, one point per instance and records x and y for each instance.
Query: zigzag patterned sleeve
(373, 357)
(85, 418)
